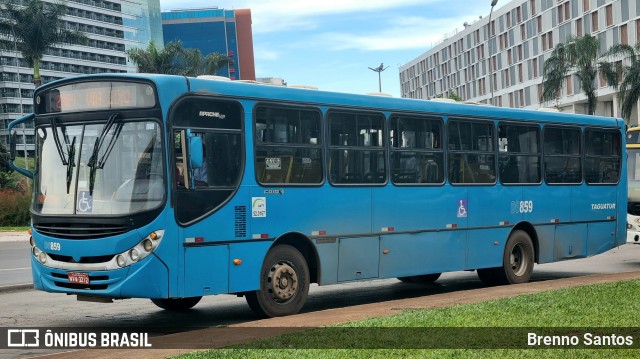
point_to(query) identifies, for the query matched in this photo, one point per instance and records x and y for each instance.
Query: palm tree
(579, 55)
(629, 88)
(34, 28)
(154, 60)
(195, 64)
(174, 59)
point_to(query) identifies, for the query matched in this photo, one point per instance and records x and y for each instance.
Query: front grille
(81, 286)
(633, 208)
(84, 260)
(80, 230)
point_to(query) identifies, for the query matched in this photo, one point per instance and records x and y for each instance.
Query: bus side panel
(358, 258)
(593, 203)
(570, 241)
(596, 203)
(246, 276)
(422, 253)
(601, 237)
(549, 204)
(338, 211)
(546, 243)
(328, 255)
(485, 247)
(491, 206)
(206, 270)
(417, 208)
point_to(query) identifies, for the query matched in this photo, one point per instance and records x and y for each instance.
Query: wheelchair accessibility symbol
(85, 202)
(462, 208)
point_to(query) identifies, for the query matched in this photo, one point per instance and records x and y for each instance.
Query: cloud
(399, 33)
(263, 54)
(281, 15)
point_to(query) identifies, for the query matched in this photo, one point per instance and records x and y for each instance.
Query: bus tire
(284, 283)
(421, 279)
(176, 304)
(517, 262)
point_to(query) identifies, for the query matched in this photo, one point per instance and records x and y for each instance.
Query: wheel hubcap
(517, 260)
(282, 282)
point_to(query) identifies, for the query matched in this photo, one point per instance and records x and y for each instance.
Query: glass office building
(212, 30)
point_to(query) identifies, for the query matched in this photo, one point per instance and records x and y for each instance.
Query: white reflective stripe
(257, 236)
(190, 240)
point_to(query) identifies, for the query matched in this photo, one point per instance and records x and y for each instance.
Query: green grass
(14, 229)
(611, 305)
(20, 161)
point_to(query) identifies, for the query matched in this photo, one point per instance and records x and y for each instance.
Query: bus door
(208, 164)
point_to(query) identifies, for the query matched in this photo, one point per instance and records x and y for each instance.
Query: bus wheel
(176, 304)
(517, 262)
(284, 283)
(421, 279)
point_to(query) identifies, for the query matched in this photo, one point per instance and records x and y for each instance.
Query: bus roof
(379, 103)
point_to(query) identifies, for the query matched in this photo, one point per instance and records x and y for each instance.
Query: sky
(330, 44)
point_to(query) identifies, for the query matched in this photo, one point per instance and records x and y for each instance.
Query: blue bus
(173, 188)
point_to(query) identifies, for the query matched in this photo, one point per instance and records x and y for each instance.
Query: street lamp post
(493, 3)
(379, 69)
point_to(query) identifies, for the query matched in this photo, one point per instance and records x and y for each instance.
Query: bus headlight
(134, 255)
(140, 251)
(38, 254)
(120, 260)
(42, 257)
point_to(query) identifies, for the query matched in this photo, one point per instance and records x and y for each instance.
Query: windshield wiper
(68, 159)
(94, 163)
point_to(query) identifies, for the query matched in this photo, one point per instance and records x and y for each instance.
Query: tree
(7, 180)
(579, 55)
(34, 28)
(153, 60)
(629, 88)
(454, 96)
(174, 59)
(195, 64)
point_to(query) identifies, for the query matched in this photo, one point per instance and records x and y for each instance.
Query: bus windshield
(85, 169)
(634, 174)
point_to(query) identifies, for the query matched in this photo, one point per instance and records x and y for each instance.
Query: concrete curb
(15, 287)
(14, 236)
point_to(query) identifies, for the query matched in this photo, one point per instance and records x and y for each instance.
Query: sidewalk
(13, 236)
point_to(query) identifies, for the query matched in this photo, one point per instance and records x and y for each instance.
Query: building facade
(112, 27)
(506, 56)
(227, 32)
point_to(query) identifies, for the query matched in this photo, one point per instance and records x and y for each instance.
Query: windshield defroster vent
(80, 231)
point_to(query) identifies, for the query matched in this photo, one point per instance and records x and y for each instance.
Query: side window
(602, 160)
(356, 148)
(288, 145)
(562, 155)
(416, 156)
(519, 155)
(218, 123)
(471, 153)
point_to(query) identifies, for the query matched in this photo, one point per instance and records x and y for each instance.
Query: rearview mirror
(12, 146)
(13, 140)
(195, 151)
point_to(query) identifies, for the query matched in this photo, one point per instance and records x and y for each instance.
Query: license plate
(78, 278)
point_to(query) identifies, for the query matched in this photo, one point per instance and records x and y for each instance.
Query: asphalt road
(15, 268)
